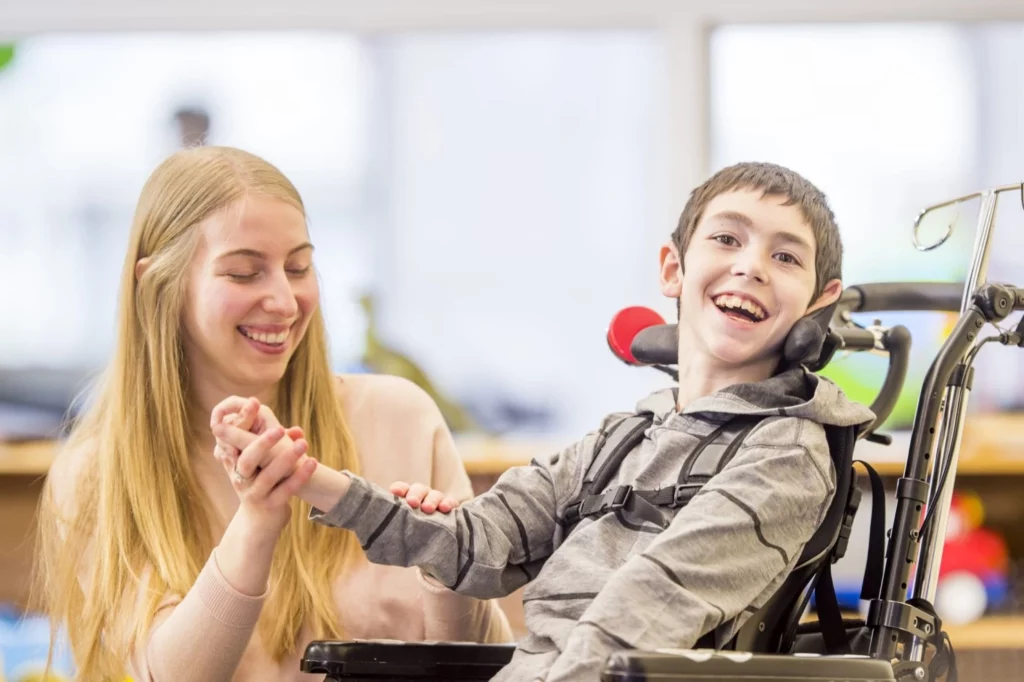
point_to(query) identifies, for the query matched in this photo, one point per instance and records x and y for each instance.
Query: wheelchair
(892, 642)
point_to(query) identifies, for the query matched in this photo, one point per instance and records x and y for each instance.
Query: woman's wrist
(246, 551)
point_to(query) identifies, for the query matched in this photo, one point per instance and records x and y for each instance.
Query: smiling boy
(756, 249)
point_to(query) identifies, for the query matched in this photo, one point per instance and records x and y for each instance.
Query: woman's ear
(141, 266)
(671, 274)
(829, 295)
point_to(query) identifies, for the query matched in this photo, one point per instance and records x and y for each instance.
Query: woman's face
(251, 293)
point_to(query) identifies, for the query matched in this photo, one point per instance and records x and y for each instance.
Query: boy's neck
(700, 376)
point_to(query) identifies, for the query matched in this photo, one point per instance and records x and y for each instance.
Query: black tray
(381, 661)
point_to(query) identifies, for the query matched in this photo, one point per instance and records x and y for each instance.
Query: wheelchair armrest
(366, 660)
(705, 665)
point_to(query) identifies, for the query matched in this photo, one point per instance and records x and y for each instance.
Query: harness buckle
(683, 493)
(621, 496)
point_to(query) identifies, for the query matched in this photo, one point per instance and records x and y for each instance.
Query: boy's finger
(247, 415)
(230, 405)
(447, 504)
(431, 501)
(295, 433)
(417, 491)
(400, 488)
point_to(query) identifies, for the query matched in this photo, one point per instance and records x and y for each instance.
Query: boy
(756, 249)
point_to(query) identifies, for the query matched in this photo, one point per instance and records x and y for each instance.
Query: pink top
(400, 435)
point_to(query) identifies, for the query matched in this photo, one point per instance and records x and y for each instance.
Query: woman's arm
(204, 635)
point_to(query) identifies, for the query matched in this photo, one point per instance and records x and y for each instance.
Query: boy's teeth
(737, 302)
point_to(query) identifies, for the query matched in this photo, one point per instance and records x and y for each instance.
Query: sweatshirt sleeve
(449, 616)
(742, 532)
(487, 547)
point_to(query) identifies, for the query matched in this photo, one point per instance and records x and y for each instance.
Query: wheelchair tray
(710, 666)
(388, 660)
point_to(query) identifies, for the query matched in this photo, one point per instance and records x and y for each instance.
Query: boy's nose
(751, 266)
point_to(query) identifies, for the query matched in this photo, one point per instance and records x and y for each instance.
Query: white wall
(684, 159)
(685, 23)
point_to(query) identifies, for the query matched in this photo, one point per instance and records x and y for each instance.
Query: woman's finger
(265, 419)
(291, 485)
(233, 436)
(400, 488)
(295, 433)
(280, 465)
(257, 452)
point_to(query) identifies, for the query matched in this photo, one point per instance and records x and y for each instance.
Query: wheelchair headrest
(640, 336)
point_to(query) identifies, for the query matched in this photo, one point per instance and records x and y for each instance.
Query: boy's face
(748, 275)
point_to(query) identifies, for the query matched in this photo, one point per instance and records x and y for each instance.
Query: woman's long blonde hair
(136, 505)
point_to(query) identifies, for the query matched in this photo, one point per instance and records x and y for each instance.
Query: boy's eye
(299, 272)
(787, 258)
(726, 239)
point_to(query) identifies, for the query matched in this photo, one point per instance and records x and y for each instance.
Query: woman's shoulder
(396, 425)
(67, 470)
(384, 395)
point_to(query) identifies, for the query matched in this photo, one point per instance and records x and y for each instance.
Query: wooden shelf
(993, 445)
(29, 458)
(991, 632)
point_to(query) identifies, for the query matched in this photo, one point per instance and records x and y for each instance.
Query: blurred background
(488, 183)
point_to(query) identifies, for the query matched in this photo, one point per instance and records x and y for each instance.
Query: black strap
(625, 436)
(699, 468)
(830, 618)
(612, 448)
(875, 564)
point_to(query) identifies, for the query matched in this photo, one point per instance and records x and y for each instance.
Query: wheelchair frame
(900, 621)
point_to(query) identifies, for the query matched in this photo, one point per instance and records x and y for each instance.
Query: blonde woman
(160, 566)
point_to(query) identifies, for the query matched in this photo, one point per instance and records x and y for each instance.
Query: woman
(159, 565)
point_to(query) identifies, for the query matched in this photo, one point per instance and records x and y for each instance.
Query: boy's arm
(743, 530)
(488, 547)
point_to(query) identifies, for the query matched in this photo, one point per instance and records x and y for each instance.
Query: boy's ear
(671, 274)
(829, 295)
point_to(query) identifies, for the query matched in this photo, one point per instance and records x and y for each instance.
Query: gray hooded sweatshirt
(620, 583)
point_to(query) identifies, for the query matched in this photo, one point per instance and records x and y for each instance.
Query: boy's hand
(424, 498)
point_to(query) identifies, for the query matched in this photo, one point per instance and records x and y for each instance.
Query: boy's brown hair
(772, 180)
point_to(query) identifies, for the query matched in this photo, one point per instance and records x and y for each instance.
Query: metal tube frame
(947, 376)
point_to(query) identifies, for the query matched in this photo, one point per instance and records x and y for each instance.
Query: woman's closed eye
(250, 276)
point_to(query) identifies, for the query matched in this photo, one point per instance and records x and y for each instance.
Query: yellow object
(973, 510)
(382, 359)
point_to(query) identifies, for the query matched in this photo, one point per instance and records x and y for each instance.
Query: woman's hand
(424, 498)
(266, 462)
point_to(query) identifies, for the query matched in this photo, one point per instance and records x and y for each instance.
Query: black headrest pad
(808, 343)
